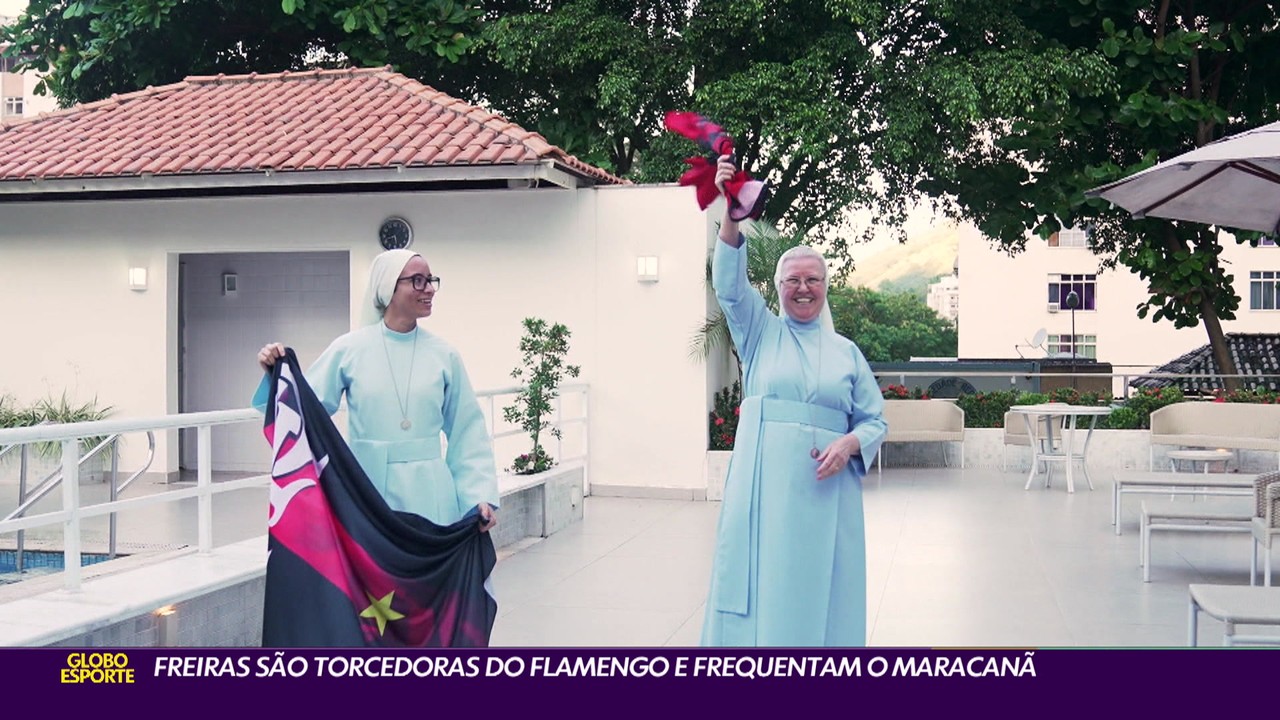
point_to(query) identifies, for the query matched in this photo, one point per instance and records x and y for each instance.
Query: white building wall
(1006, 301)
(70, 320)
(35, 104)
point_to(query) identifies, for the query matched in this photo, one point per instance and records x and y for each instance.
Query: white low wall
(1109, 450)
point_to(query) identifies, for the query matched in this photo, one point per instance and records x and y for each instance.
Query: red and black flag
(343, 568)
(746, 196)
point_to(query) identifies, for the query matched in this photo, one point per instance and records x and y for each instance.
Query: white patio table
(1044, 449)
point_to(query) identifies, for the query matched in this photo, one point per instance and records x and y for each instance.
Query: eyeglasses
(811, 282)
(420, 282)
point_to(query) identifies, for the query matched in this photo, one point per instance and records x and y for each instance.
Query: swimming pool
(39, 562)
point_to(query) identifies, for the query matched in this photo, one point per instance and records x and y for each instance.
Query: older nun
(790, 559)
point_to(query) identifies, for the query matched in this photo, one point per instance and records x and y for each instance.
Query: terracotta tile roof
(285, 122)
(1253, 353)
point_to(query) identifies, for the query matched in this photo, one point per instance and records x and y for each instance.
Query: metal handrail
(559, 422)
(53, 479)
(1125, 377)
(71, 514)
(10, 448)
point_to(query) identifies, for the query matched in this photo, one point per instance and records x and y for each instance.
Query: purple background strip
(671, 682)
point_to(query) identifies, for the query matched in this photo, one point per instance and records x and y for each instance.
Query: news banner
(643, 680)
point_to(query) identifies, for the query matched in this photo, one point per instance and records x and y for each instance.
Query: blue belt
(774, 409)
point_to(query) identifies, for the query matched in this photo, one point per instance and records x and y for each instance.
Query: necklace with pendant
(817, 384)
(405, 424)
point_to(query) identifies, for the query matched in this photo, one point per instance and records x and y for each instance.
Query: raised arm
(744, 309)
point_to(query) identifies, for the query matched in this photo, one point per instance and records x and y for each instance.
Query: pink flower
(719, 421)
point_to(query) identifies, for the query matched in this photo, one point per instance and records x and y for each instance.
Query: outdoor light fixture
(647, 268)
(137, 278)
(1072, 301)
(166, 626)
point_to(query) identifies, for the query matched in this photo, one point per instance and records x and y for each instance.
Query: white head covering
(386, 270)
(804, 251)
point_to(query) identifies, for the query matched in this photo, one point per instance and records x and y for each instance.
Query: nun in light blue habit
(790, 559)
(404, 388)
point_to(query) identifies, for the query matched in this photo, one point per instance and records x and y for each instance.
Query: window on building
(1069, 238)
(10, 64)
(1086, 346)
(1085, 286)
(1264, 290)
(13, 106)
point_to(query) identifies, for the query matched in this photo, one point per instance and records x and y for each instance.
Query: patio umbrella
(1233, 182)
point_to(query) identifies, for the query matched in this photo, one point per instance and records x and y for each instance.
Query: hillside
(910, 265)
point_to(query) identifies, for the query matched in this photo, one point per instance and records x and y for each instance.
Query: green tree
(795, 82)
(595, 77)
(93, 48)
(1019, 106)
(890, 327)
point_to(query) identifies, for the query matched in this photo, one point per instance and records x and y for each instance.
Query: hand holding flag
(746, 196)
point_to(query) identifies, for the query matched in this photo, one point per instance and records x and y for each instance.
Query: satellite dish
(1037, 341)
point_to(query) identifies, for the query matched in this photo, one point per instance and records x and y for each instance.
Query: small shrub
(51, 410)
(987, 409)
(900, 392)
(1123, 418)
(1148, 400)
(724, 418)
(542, 350)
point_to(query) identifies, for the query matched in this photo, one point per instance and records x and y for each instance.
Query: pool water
(39, 562)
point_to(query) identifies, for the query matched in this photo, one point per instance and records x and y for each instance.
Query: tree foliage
(891, 327)
(1019, 106)
(93, 48)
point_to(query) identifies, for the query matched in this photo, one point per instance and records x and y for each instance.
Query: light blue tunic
(407, 466)
(790, 563)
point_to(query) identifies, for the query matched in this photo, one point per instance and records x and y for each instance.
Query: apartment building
(18, 98)
(1056, 285)
(943, 296)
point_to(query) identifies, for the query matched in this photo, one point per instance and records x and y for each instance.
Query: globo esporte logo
(96, 668)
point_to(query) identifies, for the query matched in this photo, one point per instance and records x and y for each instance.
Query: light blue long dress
(790, 562)
(371, 366)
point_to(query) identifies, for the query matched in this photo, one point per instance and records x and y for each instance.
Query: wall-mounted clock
(395, 233)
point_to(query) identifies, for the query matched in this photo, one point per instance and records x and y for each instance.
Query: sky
(12, 7)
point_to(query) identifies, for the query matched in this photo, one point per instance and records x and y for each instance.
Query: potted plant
(542, 349)
(46, 457)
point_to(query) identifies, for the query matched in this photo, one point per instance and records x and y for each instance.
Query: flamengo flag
(343, 568)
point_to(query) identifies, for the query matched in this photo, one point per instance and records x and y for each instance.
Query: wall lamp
(647, 269)
(137, 278)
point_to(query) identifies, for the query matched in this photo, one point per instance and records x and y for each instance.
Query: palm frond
(711, 335)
